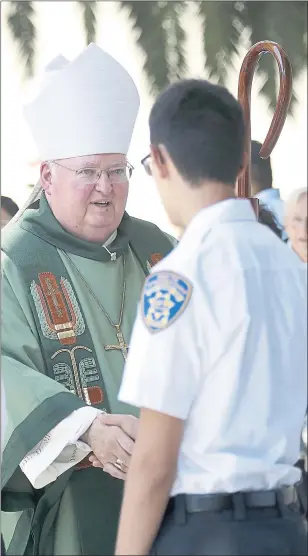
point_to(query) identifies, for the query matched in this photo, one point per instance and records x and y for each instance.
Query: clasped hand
(112, 438)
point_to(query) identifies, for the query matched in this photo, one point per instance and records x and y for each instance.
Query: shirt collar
(111, 239)
(267, 194)
(230, 210)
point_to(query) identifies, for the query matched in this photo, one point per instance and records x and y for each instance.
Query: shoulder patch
(165, 297)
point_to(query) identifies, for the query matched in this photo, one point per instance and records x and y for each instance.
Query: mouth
(101, 204)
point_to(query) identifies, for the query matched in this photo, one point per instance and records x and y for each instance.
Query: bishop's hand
(111, 438)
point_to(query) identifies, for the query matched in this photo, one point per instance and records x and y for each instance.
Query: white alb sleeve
(60, 449)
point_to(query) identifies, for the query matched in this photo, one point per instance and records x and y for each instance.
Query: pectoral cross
(123, 347)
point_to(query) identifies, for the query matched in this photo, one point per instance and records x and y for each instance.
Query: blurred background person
(268, 218)
(296, 225)
(262, 185)
(296, 222)
(8, 210)
(3, 429)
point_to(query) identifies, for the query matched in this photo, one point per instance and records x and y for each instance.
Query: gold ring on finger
(120, 465)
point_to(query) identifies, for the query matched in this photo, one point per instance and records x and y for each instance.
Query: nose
(104, 184)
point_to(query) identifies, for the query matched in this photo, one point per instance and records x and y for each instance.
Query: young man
(3, 424)
(216, 363)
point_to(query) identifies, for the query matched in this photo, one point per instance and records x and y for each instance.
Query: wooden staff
(244, 96)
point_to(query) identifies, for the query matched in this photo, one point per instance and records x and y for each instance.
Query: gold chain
(116, 326)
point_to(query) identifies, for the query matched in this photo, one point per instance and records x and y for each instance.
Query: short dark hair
(261, 170)
(9, 206)
(202, 127)
(267, 218)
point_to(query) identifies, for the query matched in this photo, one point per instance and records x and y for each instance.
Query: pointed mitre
(56, 63)
(84, 107)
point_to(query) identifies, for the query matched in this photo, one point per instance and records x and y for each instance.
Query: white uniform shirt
(233, 365)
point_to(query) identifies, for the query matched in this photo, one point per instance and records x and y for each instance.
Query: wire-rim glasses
(118, 173)
(146, 163)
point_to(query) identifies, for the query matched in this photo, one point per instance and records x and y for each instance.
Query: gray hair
(34, 196)
(292, 201)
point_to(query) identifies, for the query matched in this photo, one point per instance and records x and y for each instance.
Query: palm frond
(221, 35)
(20, 22)
(175, 39)
(148, 19)
(180, 37)
(286, 24)
(89, 9)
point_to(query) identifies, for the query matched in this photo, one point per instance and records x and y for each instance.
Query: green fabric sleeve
(35, 404)
(172, 239)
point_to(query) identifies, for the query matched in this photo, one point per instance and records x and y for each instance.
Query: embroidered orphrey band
(57, 308)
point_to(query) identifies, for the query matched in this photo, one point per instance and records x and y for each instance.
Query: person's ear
(159, 161)
(243, 165)
(46, 177)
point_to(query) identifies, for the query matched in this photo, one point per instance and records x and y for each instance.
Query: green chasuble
(54, 361)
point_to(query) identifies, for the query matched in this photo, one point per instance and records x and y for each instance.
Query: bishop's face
(88, 194)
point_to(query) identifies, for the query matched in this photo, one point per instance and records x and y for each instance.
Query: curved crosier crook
(244, 96)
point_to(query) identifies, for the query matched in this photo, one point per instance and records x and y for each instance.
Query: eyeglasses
(146, 163)
(147, 160)
(119, 173)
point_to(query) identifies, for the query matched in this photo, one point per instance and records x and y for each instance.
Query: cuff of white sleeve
(60, 449)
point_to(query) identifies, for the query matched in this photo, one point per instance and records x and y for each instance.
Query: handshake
(111, 439)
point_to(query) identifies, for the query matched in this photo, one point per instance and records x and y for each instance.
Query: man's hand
(127, 423)
(111, 437)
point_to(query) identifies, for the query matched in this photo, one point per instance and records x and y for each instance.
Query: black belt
(218, 502)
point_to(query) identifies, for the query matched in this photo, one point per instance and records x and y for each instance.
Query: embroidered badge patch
(165, 297)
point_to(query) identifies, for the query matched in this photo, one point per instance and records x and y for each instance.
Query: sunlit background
(59, 30)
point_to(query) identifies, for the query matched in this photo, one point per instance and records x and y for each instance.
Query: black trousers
(239, 531)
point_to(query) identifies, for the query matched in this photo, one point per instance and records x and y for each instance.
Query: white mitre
(84, 107)
(55, 64)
